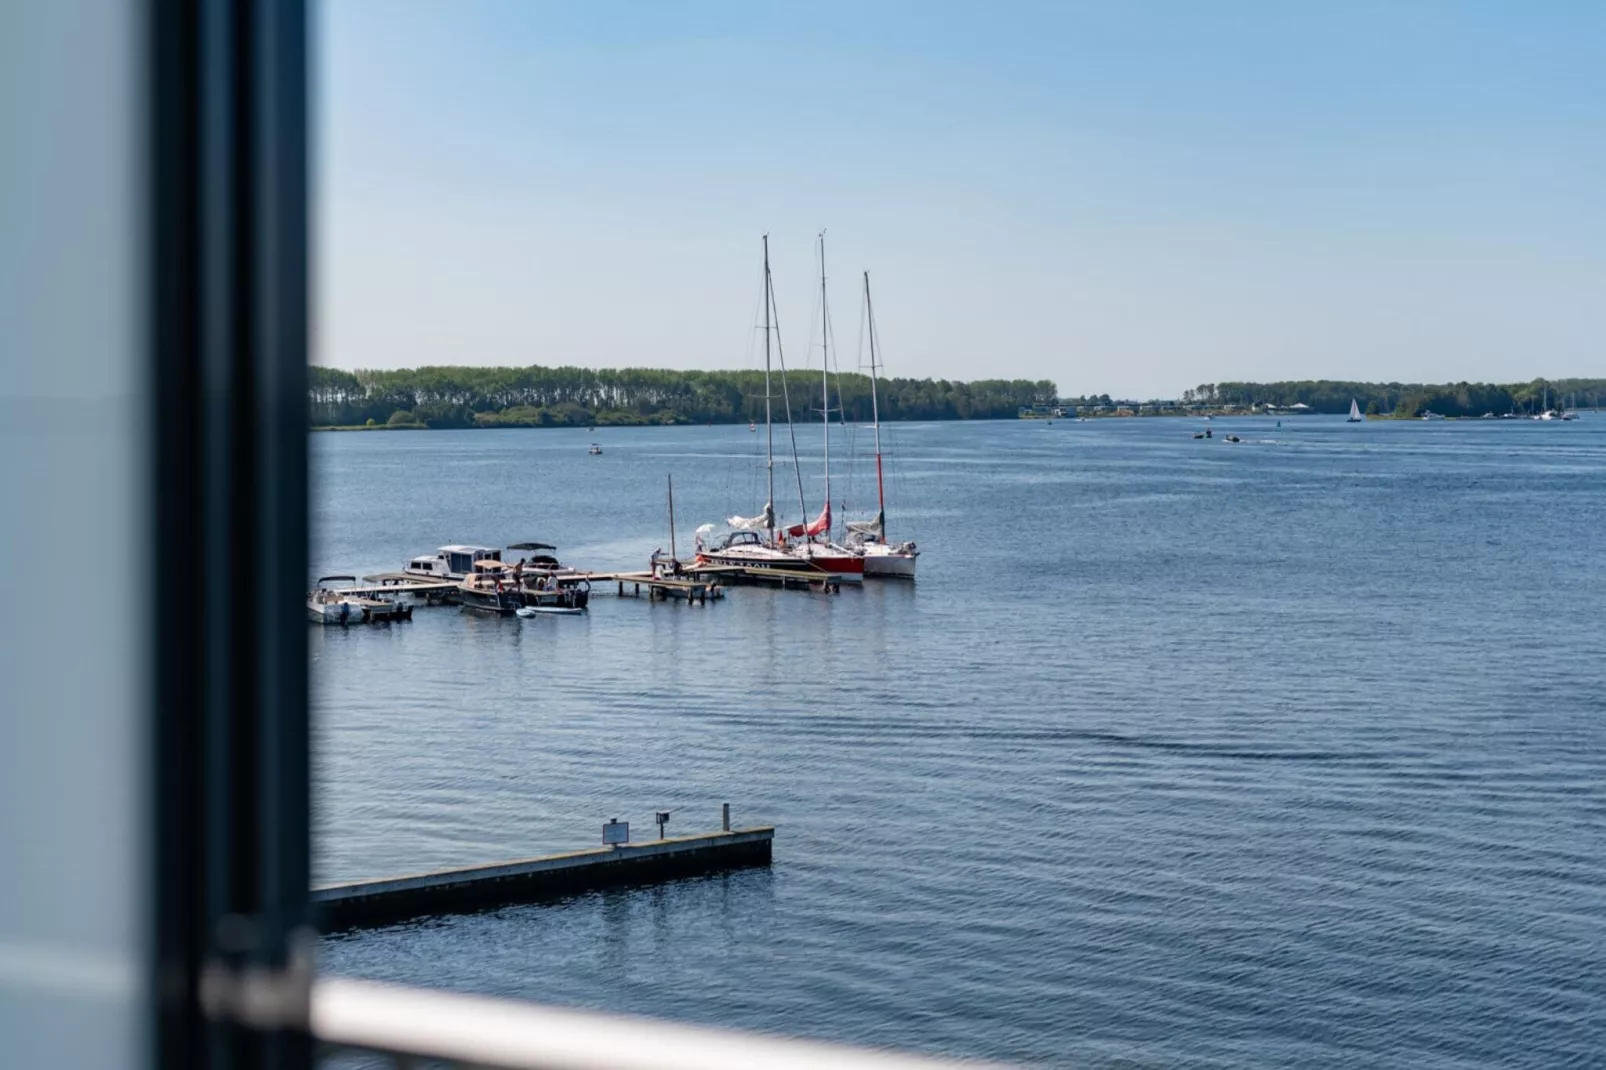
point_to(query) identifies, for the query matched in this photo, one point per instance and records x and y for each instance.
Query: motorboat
(451, 562)
(332, 603)
(490, 588)
(595, 450)
(546, 581)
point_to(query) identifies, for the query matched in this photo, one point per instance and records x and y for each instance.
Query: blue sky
(1132, 198)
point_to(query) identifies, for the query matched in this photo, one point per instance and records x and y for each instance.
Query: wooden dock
(389, 584)
(690, 588)
(366, 903)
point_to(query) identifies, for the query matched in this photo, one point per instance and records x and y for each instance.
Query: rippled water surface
(1180, 753)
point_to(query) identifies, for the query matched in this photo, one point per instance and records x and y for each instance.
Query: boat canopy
(331, 579)
(876, 527)
(532, 546)
(762, 522)
(821, 525)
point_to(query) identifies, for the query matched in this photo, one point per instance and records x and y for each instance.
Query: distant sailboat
(1354, 412)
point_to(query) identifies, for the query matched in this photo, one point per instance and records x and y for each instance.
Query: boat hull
(895, 566)
(848, 567)
(338, 614)
(496, 603)
(772, 559)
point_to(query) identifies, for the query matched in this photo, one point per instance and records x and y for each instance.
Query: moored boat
(743, 547)
(869, 537)
(331, 603)
(490, 588)
(451, 562)
(546, 581)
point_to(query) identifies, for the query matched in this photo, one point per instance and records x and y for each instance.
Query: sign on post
(615, 832)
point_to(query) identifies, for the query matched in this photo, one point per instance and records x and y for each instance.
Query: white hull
(336, 613)
(892, 566)
(754, 557)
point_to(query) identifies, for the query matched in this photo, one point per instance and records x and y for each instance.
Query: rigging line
(786, 396)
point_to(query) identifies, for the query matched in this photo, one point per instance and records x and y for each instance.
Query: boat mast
(673, 556)
(769, 423)
(786, 393)
(825, 375)
(875, 412)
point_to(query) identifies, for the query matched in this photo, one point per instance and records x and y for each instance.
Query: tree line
(566, 397)
(1404, 399)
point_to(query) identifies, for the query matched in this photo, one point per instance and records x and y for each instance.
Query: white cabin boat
(451, 562)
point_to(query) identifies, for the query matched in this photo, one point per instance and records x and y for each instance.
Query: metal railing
(410, 1024)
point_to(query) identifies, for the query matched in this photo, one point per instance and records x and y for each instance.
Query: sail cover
(876, 527)
(762, 522)
(821, 525)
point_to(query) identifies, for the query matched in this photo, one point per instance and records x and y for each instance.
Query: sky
(1127, 198)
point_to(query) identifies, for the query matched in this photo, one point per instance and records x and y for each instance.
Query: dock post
(725, 822)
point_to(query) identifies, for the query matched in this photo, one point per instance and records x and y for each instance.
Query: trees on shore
(1404, 399)
(556, 397)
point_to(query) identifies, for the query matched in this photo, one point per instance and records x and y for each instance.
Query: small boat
(595, 450)
(490, 589)
(330, 603)
(1198, 434)
(751, 426)
(545, 581)
(528, 612)
(1234, 438)
(1354, 416)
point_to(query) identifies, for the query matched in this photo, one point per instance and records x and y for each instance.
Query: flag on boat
(821, 525)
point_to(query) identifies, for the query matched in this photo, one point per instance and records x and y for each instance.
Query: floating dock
(367, 903)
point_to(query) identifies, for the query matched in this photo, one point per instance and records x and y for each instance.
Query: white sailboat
(816, 546)
(742, 547)
(1354, 412)
(881, 558)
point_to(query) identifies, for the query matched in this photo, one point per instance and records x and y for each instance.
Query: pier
(366, 903)
(690, 588)
(390, 584)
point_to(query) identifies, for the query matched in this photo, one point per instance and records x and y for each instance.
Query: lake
(1179, 753)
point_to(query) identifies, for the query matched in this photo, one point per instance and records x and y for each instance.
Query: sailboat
(743, 547)
(816, 546)
(1354, 412)
(869, 537)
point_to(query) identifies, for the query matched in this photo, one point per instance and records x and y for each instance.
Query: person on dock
(652, 564)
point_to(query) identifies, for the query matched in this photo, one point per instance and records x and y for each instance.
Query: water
(1180, 753)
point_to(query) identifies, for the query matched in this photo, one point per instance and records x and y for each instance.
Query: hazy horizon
(1129, 201)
